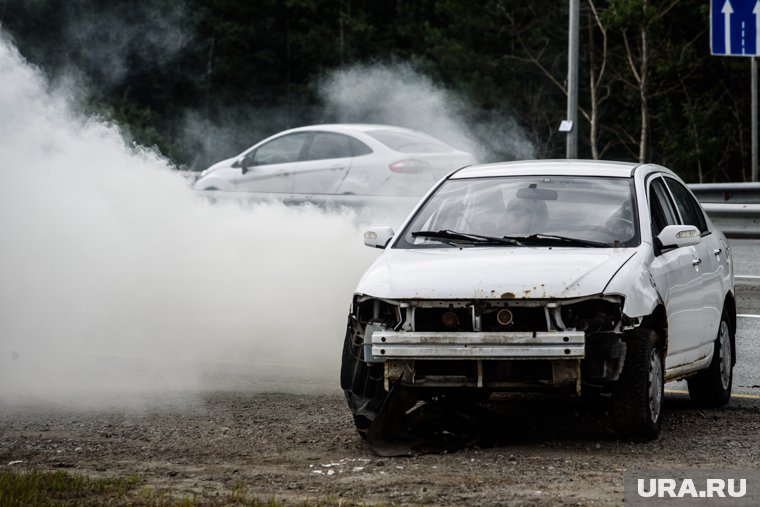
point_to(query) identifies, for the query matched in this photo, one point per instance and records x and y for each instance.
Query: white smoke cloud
(117, 282)
(393, 94)
(396, 94)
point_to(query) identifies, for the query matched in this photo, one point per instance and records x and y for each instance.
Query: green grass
(61, 488)
(22, 488)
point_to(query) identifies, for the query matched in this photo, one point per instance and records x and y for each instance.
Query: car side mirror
(378, 237)
(676, 236)
(243, 163)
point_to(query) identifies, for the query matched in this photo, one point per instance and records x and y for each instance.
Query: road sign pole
(732, 26)
(754, 118)
(572, 80)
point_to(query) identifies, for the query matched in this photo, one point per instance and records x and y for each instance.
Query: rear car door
(270, 166)
(708, 262)
(324, 164)
(677, 281)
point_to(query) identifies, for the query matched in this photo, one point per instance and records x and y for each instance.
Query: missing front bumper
(478, 345)
(491, 360)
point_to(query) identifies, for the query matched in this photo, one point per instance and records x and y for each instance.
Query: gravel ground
(304, 447)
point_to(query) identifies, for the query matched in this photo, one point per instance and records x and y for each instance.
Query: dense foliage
(203, 79)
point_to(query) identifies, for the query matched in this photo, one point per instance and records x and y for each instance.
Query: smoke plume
(116, 282)
(398, 95)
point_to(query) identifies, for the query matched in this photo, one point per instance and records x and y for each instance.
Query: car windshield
(407, 142)
(526, 211)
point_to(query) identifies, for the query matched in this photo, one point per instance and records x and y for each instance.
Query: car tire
(637, 396)
(712, 387)
(362, 383)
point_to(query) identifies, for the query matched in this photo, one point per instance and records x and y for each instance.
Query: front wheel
(712, 388)
(362, 382)
(637, 395)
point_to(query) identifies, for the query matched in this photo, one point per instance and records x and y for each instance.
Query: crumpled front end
(491, 344)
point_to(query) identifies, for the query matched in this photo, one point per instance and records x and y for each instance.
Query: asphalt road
(746, 255)
(747, 270)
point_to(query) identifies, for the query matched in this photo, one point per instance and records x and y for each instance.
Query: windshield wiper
(462, 237)
(554, 238)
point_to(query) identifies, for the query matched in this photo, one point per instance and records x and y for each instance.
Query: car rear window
(407, 142)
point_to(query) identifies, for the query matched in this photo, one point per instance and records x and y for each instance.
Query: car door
(708, 264)
(269, 167)
(677, 282)
(324, 164)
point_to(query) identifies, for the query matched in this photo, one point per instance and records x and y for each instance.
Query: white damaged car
(542, 276)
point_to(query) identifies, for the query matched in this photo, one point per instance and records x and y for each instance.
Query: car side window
(327, 145)
(358, 148)
(661, 207)
(688, 207)
(282, 150)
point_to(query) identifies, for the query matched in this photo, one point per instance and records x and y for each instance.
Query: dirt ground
(544, 452)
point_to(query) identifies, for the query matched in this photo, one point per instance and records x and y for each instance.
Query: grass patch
(61, 488)
(22, 488)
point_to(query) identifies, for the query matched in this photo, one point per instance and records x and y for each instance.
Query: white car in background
(338, 159)
(557, 276)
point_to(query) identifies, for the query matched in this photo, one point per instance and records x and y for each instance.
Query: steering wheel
(603, 234)
(621, 228)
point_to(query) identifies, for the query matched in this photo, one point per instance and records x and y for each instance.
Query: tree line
(649, 88)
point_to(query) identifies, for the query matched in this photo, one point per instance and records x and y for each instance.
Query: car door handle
(718, 252)
(696, 262)
(282, 173)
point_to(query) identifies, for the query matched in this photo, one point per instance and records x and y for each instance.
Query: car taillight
(410, 166)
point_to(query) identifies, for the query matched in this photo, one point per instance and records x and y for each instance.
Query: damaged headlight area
(490, 345)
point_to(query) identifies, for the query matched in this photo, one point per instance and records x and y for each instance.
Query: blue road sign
(735, 27)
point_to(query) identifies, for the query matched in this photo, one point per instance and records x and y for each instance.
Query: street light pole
(572, 80)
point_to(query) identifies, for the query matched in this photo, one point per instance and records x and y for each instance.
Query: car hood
(224, 163)
(492, 273)
(200, 183)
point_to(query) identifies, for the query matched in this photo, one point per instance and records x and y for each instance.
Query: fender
(211, 182)
(636, 285)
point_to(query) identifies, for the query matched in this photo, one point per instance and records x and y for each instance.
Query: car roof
(354, 127)
(549, 167)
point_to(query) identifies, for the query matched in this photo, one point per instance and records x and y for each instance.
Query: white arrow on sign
(756, 12)
(727, 11)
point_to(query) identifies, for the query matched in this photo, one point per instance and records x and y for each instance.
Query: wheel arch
(729, 305)
(211, 183)
(658, 322)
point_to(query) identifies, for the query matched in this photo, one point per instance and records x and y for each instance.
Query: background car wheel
(712, 388)
(637, 396)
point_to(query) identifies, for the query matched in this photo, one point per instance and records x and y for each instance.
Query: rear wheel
(637, 395)
(712, 388)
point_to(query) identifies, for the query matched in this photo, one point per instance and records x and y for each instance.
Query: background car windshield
(594, 209)
(407, 142)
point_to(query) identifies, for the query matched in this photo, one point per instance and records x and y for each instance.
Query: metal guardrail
(741, 221)
(743, 193)
(733, 207)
